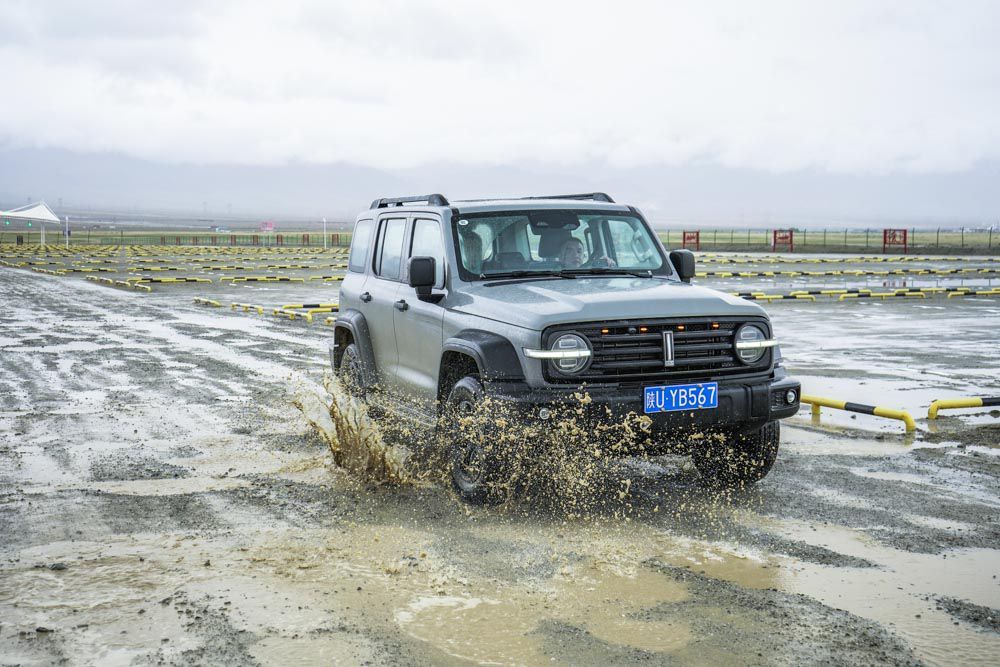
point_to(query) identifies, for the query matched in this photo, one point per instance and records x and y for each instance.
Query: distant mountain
(676, 195)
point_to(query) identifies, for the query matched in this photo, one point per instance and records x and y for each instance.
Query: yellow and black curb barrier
(168, 281)
(293, 310)
(778, 259)
(247, 307)
(956, 403)
(260, 279)
(124, 284)
(816, 402)
(846, 272)
(885, 295)
(995, 291)
(865, 293)
(207, 302)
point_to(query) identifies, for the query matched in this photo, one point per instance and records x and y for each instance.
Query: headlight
(569, 353)
(751, 343)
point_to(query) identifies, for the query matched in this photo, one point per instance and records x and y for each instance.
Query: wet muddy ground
(162, 501)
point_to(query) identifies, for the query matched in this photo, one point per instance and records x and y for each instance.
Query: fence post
(845, 238)
(937, 242)
(715, 237)
(866, 238)
(963, 236)
(989, 244)
(748, 237)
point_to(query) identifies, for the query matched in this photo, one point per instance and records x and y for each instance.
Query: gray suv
(531, 301)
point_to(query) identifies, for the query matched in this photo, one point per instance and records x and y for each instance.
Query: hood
(536, 304)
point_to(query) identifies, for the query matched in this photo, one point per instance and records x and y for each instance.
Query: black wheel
(739, 460)
(477, 470)
(350, 373)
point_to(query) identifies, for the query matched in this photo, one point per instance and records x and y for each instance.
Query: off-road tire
(740, 460)
(350, 372)
(477, 474)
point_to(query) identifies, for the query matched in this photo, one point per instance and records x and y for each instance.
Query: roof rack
(595, 196)
(432, 200)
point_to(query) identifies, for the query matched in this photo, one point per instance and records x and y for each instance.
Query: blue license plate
(670, 398)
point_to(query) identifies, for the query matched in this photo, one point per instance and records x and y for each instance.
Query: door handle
(401, 305)
(366, 297)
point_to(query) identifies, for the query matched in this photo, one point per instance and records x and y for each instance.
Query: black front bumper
(743, 404)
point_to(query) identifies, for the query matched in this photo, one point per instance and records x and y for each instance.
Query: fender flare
(355, 322)
(495, 355)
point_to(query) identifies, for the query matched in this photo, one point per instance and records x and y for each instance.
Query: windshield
(555, 241)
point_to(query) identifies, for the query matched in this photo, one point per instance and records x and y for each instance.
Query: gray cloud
(846, 87)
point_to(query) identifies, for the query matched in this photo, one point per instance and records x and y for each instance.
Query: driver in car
(571, 256)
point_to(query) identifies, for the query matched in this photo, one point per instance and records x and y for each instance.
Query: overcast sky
(843, 88)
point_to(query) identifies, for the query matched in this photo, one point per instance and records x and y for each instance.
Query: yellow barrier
(955, 403)
(816, 402)
(247, 307)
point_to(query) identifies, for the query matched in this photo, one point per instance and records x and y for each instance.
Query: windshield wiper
(606, 271)
(521, 273)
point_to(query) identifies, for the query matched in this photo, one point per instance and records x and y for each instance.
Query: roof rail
(595, 196)
(432, 200)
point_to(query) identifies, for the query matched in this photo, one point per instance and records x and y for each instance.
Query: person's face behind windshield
(571, 254)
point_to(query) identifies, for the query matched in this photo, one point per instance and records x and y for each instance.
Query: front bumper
(742, 403)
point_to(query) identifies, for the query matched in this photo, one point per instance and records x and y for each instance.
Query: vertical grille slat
(633, 351)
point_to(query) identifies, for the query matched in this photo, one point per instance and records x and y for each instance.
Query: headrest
(551, 242)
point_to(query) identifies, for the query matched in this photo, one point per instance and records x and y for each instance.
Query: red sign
(892, 237)
(783, 237)
(267, 226)
(691, 238)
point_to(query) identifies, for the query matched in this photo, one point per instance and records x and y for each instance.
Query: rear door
(418, 324)
(379, 294)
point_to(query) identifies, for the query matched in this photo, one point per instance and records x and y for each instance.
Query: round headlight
(750, 333)
(578, 357)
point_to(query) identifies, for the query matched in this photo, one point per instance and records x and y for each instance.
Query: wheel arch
(473, 351)
(352, 327)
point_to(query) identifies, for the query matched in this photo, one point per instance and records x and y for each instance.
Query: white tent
(37, 212)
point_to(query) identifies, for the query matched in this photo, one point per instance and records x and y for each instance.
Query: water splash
(354, 438)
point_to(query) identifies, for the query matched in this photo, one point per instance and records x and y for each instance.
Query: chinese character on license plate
(704, 396)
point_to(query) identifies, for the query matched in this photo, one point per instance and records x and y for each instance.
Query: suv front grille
(633, 350)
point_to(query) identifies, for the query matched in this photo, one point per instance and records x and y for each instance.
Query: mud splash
(354, 438)
(577, 464)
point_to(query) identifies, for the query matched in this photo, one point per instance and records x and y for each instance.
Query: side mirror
(683, 261)
(422, 275)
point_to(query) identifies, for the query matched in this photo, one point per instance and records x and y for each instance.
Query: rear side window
(389, 251)
(359, 246)
(427, 243)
